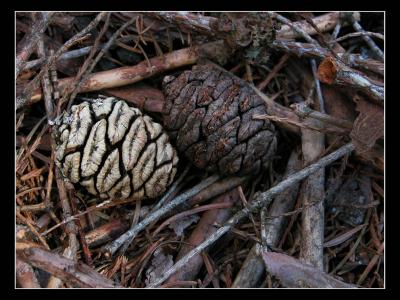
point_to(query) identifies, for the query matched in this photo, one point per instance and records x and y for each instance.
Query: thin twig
(378, 52)
(45, 80)
(80, 232)
(336, 31)
(263, 227)
(312, 218)
(318, 86)
(186, 20)
(310, 50)
(102, 205)
(33, 207)
(324, 23)
(292, 273)
(304, 111)
(294, 120)
(32, 228)
(77, 53)
(356, 34)
(133, 224)
(71, 230)
(274, 71)
(180, 284)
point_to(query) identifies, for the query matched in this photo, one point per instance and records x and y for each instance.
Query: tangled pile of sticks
(314, 218)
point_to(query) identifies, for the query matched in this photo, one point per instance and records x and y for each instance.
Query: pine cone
(209, 114)
(114, 151)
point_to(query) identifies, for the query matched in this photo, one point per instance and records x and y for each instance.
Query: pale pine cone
(114, 151)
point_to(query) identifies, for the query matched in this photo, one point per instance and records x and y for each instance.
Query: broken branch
(63, 268)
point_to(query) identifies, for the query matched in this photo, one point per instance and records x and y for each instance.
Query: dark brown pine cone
(114, 151)
(209, 114)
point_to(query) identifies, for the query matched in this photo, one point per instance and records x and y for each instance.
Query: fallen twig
(344, 236)
(292, 273)
(304, 111)
(179, 284)
(45, 80)
(128, 75)
(65, 269)
(355, 34)
(318, 86)
(26, 277)
(217, 188)
(332, 71)
(312, 230)
(312, 225)
(251, 271)
(378, 52)
(71, 250)
(190, 212)
(74, 53)
(105, 233)
(311, 50)
(294, 120)
(253, 267)
(70, 228)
